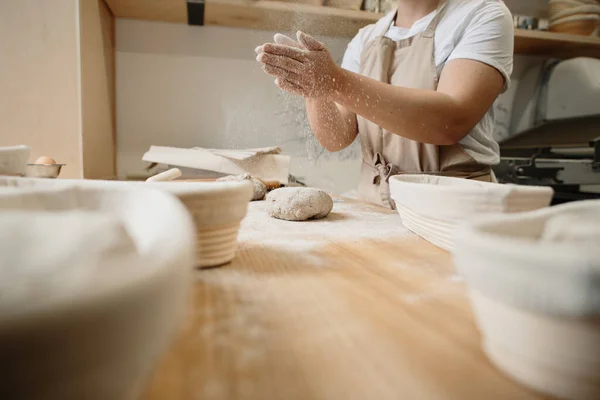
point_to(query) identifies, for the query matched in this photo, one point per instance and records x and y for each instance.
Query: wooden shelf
(557, 45)
(279, 16)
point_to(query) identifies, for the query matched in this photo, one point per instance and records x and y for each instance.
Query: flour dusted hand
(260, 189)
(299, 203)
(304, 68)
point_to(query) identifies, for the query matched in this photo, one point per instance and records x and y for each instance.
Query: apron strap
(430, 31)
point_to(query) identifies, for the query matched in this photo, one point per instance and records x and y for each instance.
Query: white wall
(39, 80)
(201, 86)
(504, 105)
(190, 86)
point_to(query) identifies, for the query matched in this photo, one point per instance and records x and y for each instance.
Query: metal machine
(562, 154)
(557, 120)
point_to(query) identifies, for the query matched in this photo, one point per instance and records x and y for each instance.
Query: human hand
(304, 67)
(283, 40)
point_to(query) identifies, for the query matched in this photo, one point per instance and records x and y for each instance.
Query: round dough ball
(45, 160)
(260, 189)
(299, 203)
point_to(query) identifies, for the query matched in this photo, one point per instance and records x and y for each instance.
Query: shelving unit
(558, 45)
(284, 16)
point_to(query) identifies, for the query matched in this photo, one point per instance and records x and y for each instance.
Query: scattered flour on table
(435, 291)
(348, 222)
(240, 326)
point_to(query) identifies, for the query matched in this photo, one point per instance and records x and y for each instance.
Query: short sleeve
(351, 60)
(489, 38)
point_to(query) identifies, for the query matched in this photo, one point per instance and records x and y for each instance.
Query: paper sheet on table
(243, 154)
(264, 163)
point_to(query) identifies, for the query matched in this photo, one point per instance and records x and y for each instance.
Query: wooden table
(327, 310)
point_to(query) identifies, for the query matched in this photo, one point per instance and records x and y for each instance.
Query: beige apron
(409, 63)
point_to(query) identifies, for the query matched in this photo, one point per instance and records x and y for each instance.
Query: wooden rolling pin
(168, 175)
(271, 185)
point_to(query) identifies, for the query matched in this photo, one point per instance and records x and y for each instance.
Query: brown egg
(45, 160)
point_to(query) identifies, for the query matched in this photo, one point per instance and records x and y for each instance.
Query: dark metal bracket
(195, 12)
(596, 144)
(531, 171)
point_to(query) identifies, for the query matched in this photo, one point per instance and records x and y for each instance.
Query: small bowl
(558, 6)
(217, 210)
(581, 11)
(13, 160)
(584, 25)
(50, 171)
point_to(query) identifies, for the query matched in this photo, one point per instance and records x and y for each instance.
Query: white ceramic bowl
(13, 160)
(434, 206)
(535, 290)
(217, 209)
(102, 340)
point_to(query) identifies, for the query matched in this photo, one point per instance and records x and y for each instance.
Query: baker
(417, 87)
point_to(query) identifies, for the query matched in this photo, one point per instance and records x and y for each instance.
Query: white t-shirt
(479, 30)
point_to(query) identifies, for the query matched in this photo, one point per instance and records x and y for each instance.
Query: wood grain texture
(371, 318)
(97, 90)
(556, 45)
(150, 10)
(277, 16)
(39, 80)
(283, 16)
(310, 2)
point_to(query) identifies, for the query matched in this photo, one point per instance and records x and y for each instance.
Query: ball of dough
(299, 203)
(260, 189)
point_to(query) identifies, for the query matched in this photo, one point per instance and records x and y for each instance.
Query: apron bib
(408, 63)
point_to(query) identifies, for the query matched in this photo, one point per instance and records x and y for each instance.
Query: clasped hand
(304, 67)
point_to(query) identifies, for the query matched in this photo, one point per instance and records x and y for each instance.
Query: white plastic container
(13, 160)
(434, 206)
(535, 290)
(217, 209)
(101, 337)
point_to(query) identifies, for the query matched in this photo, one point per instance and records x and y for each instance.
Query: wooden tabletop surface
(350, 307)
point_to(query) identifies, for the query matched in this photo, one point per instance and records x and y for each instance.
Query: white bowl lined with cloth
(534, 281)
(13, 160)
(93, 285)
(217, 209)
(580, 17)
(434, 206)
